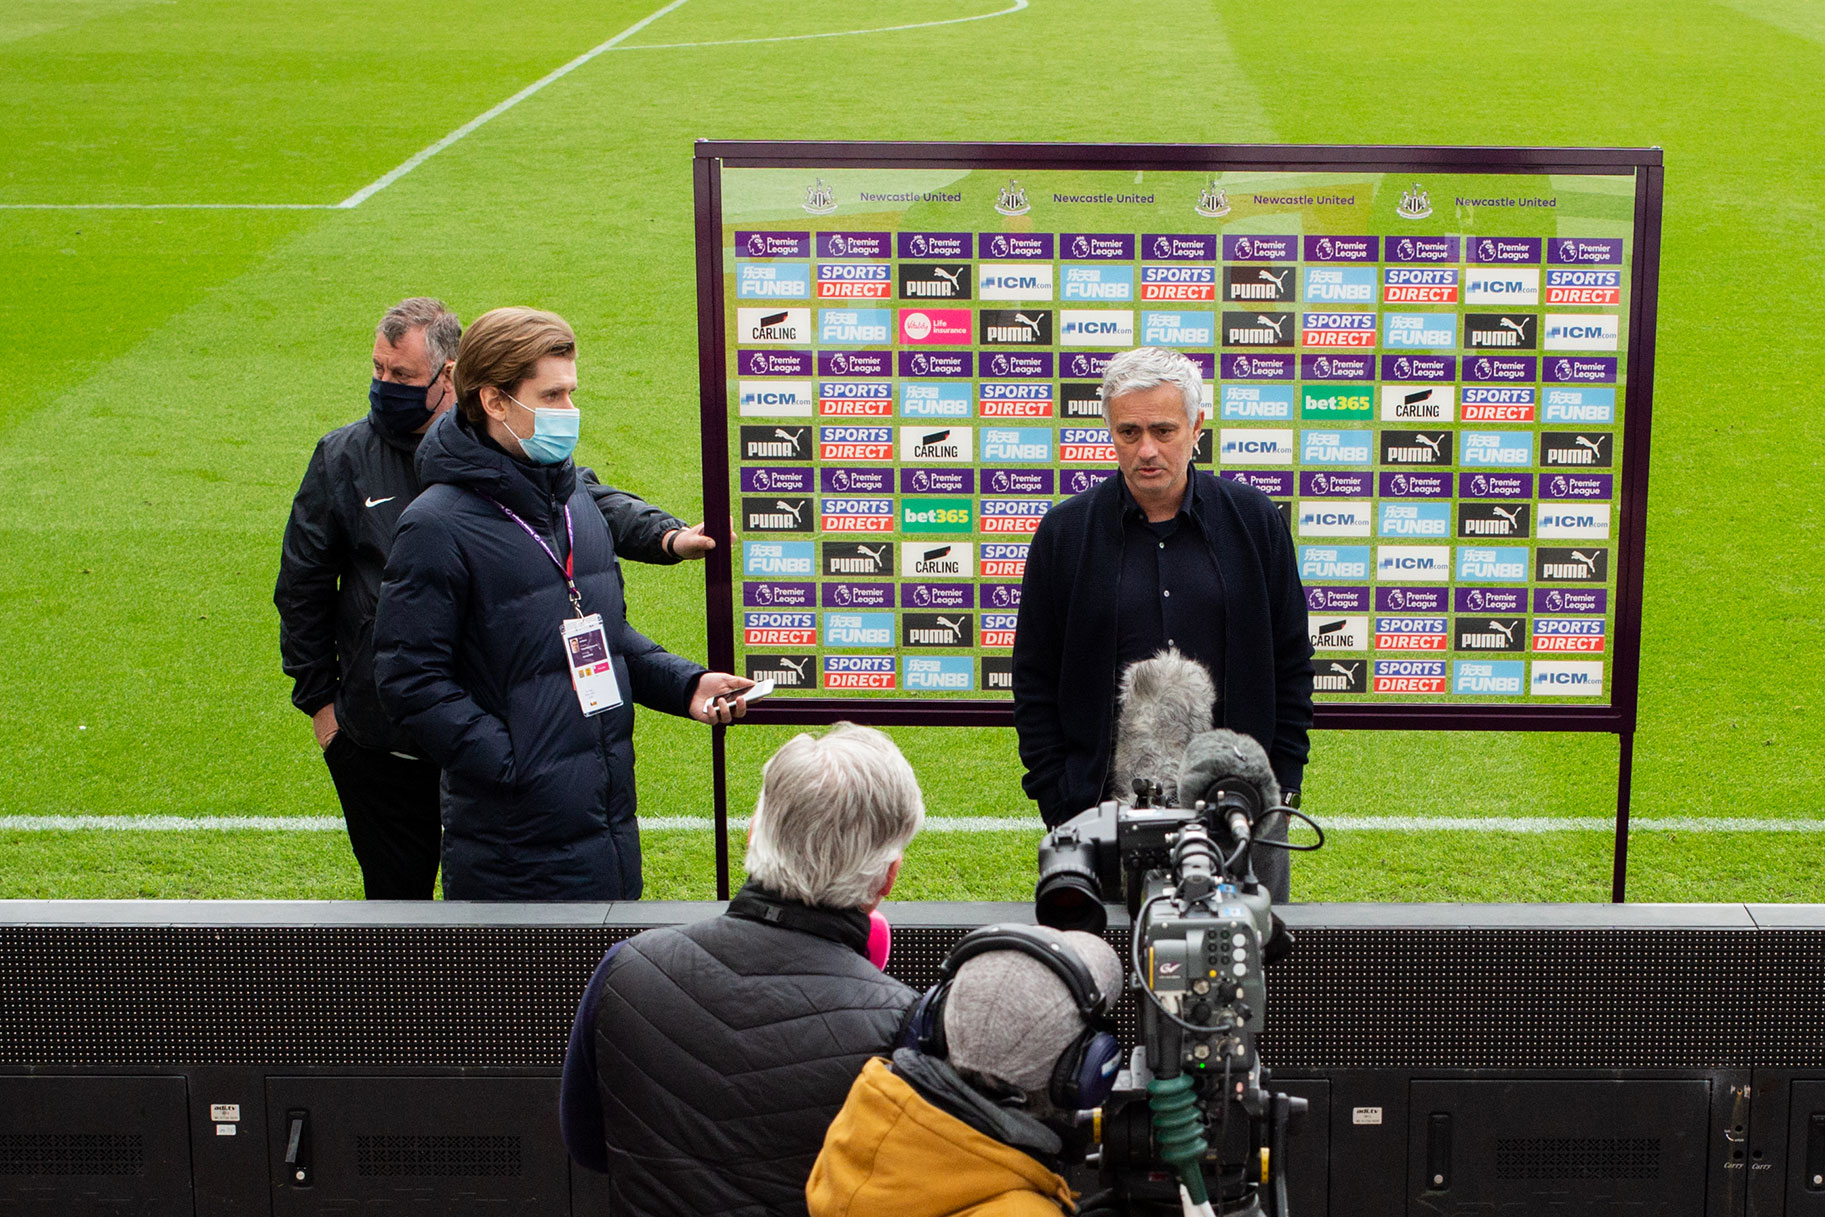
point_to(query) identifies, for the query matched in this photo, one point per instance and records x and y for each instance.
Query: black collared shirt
(1171, 592)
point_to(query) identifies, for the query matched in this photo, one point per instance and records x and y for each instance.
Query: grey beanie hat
(1011, 1017)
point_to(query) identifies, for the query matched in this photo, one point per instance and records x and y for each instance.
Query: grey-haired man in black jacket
(1164, 555)
(360, 478)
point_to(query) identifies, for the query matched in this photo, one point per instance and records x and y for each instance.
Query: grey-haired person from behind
(1163, 556)
(707, 1060)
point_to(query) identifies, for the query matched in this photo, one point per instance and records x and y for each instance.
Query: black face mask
(400, 409)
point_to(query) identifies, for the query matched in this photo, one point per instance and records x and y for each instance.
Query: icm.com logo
(1567, 678)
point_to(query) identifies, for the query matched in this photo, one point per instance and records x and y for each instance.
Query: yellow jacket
(890, 1151)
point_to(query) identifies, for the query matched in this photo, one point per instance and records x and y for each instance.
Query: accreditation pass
(592, 667)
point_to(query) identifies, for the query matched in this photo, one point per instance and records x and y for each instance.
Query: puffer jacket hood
(892, 1150)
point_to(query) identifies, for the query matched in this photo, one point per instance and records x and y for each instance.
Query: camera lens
(1067, 896)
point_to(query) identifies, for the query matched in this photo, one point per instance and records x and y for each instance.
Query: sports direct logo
(1185, 284)
(1576, 634)
(855, 443)
(859, 671)
(1410, 634)
(1004, 560)
(1001, 517)
(1601, 287)
(856, 515)
(1016, 399)
(779, 629)
(1409, 676)
(1085, 445)
(854, 398)
(1484, 404)
(854, 281)
(1338, 330)
(1419, 285)
(998, 629)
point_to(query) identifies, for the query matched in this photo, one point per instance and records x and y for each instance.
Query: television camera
(1194, 1106)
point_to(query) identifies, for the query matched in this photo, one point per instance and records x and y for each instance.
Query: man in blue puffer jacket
(473, 651)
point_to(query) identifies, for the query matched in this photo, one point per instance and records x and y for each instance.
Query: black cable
(1288, 845)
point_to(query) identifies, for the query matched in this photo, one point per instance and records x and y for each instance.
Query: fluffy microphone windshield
(1217, 756)
(1164, 701)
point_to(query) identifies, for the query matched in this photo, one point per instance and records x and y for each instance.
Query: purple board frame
(1618, 717)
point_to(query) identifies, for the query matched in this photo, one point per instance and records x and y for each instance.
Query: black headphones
(1085, 1072)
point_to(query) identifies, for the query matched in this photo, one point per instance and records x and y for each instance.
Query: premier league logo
(999, 481)
(1080, 365)
(843, 594)
(1397, 599)
(1321, 367)
(1479, 485)
(999, 246)
(1080, 481)
(916, 245)
(1212, 202)
(999, 365)
(1399, 483)
(1563, 369)
(1404, 251)
(838, 246)
(922, 596)
(1568, 251)
(1560, 485)
(1241, 367)
(757, 363)
(1473, 600)
(1324, 249)
(1415, 204)
(757, 245)
(760, 479)
(1483, 369)
(839, 364)
(839, 480)
(1162, 248)
(1245, 248)
(1002, 597)
(1402, 368)
(1315, 598)
(921, 480)
(1486, 250)
(1320, 484)
(763, 594)
(919, 364)
(1012, 201)
(1555, 601)
(820, 200)
(1080, 248)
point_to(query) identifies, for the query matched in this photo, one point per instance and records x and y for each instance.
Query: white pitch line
(880, 29)
(167, 206)
(413, 162)
(1529, 825)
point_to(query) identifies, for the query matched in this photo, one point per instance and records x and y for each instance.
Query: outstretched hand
(692, 543)
(708, 703)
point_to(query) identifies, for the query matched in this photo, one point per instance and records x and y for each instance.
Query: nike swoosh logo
(378, 502)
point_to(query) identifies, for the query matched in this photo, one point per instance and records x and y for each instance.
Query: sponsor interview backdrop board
(1436, 362)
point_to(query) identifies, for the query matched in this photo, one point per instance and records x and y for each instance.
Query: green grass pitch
(166, 371)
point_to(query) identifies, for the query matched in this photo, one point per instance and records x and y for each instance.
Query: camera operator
(707, 1060)
(1011, 1044)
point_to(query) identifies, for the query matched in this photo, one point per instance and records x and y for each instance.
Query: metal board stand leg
(1625, 770)
(719, 781)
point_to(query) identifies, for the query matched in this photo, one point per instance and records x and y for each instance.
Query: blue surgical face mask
(400, 409)
(554, 433)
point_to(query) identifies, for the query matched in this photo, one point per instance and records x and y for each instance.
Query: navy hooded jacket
(538, 801)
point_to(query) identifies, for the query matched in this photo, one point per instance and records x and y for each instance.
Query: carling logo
(1014, 281)
(1416, 447)
(776, 443)
(1422, 404)
(858, 558)
(775, 559)
(1413, 563)
(1409, 676)
(1334, 518)
(1105, 283)
(854, 281)
(1580, 405)
(1419, 331)
(1257, 283)
(775, 398)
(1506, 449)
(1571, 565)
(1014, 327)
(1581, 332)
(1501, 678)
(1575, 521)
(1591, 449)
(1178, 329)
(1178, 283)
(1410, 519)
(1487, 633)
(1251, 447)
(1508, 286)
(772, 280)
(1483, 520)
(1339, 285)
(931, 560)
(1017, 445)
(940, 673)
(942, 445)
(1420, 285)
(934, 281)
(1338, 675)
(1254, 329)
(1096, 327)
(1251, 402)
(859, 671)
(1483, 404)
(1338, 633)
(1567, 678)
(1334, 562)
(1599, 287)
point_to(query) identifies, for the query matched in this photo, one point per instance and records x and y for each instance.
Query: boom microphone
(1165, 702)
(1224, 763)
